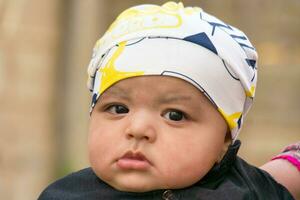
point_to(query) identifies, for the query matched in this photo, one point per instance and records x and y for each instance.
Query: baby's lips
(133, 161)
(135, 156)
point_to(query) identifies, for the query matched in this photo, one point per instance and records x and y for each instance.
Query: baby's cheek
(182, 171)
(97, 150)
(99, 141)
(187, 177)
(100, 161)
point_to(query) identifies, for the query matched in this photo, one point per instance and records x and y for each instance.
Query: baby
(171, 86)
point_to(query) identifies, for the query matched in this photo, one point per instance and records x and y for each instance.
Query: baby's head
(171, 86)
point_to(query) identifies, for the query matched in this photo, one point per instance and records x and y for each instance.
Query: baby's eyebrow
(117, 92)
(174, 98)
(168, 97)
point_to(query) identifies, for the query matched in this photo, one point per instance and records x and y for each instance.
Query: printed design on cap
(109, 73)
(202, 40)
(241, 40)
(231, 119)
(149, 17)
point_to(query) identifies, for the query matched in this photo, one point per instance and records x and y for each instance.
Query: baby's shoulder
(73, 186)
(258, 181)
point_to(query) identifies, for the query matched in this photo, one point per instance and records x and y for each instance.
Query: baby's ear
(228, 138)
(227, 143)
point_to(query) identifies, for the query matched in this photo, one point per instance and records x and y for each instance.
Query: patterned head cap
(183, 42)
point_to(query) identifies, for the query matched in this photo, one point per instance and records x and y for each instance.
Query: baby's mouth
(133, 161)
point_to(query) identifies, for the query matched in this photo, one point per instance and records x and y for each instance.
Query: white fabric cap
(186, 43)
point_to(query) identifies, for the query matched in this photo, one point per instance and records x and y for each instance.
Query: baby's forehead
(152, 84)
(161, 89)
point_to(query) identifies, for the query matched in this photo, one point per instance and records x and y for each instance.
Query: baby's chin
(139, 188)
(145, 185)
(135, 184)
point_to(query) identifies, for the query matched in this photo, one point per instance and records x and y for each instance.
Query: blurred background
(45, 47)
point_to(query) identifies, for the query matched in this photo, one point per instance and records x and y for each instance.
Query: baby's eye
(174, 115)
(117, 109)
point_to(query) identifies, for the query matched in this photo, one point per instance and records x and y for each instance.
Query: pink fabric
(293, 160)
(292, 147)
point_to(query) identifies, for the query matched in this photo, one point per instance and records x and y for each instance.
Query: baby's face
(154, 132)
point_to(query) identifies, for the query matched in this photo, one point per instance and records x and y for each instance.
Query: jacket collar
(218, 173)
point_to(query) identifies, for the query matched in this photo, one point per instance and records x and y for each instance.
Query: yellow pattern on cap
(109, 75)
(231, 119)
(251, 92)
(151, 17)
(132, 20)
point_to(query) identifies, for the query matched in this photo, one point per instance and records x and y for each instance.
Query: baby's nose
(141, 127)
